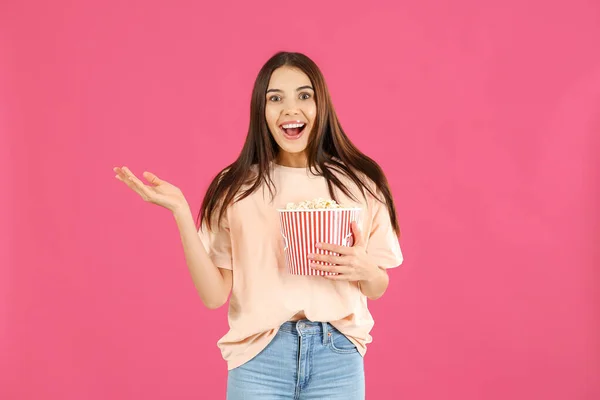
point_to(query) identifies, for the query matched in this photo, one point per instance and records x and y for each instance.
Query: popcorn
(307, 223)
(316, 204)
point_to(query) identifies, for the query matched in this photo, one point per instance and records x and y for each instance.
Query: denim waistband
(307, 327)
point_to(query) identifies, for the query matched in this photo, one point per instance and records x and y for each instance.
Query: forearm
(207, 278)
(375, 287)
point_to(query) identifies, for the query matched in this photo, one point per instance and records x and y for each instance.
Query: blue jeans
(304, 361)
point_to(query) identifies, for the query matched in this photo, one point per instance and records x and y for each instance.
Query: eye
(305, 96)
(274, 98)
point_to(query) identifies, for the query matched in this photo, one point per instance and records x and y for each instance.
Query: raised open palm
(159, 192)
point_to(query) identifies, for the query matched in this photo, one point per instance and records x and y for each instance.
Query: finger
(143, 189)
(340, 269)
(137, 185)
(153, 179)
(127, 171)
(127, 177)
(124, 173)
(335, 248)
(123, 177)
(120, 173)
(340, 277)
(328, 258)
(359, 240)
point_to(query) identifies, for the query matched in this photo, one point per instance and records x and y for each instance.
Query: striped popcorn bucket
(303, 229)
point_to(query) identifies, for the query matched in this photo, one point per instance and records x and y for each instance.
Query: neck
(292, 160)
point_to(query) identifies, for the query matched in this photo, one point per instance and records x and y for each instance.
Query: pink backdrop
(485, 115)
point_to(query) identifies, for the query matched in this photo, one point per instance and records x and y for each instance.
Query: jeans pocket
(339, 343)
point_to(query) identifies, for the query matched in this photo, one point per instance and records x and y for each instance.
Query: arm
(212, 283)
(353, 265)
(376, 286)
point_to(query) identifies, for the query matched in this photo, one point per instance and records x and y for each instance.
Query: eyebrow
(297, 90)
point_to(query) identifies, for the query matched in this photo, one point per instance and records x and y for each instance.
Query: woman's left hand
(353, 263)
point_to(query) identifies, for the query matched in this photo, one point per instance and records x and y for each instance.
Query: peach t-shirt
(264, 296)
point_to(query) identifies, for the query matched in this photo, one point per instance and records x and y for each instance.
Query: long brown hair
(328, 149)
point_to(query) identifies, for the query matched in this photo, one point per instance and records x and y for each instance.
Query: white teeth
(288, 126)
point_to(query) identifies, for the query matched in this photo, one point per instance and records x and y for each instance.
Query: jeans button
(300, 325)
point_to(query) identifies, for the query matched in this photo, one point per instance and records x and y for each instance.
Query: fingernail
(318, 245)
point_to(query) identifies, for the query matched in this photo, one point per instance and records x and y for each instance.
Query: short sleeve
(217, 242)
(383, 245)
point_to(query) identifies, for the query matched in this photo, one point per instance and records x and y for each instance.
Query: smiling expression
(290, 111)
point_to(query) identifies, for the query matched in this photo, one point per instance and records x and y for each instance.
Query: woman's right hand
(158, 192)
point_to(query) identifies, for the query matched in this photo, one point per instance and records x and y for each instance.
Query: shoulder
(229, 175)
(367, 185)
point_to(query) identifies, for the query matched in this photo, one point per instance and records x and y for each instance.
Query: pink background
(485, 115)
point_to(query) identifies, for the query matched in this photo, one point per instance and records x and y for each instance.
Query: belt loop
(324, 324)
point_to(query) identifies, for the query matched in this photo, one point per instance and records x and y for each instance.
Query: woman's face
(290, 112)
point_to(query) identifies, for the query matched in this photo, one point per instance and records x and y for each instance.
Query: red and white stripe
(303, 229)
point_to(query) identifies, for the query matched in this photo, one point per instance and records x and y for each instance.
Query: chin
(294, 146)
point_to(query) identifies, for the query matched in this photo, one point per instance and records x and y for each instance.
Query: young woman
(290, 336)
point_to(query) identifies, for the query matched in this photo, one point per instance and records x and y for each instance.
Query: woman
(291, 336)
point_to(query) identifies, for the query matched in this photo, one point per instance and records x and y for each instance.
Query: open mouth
(292, 130)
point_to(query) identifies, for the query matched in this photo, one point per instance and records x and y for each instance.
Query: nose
(291, 112)
(290, 107)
